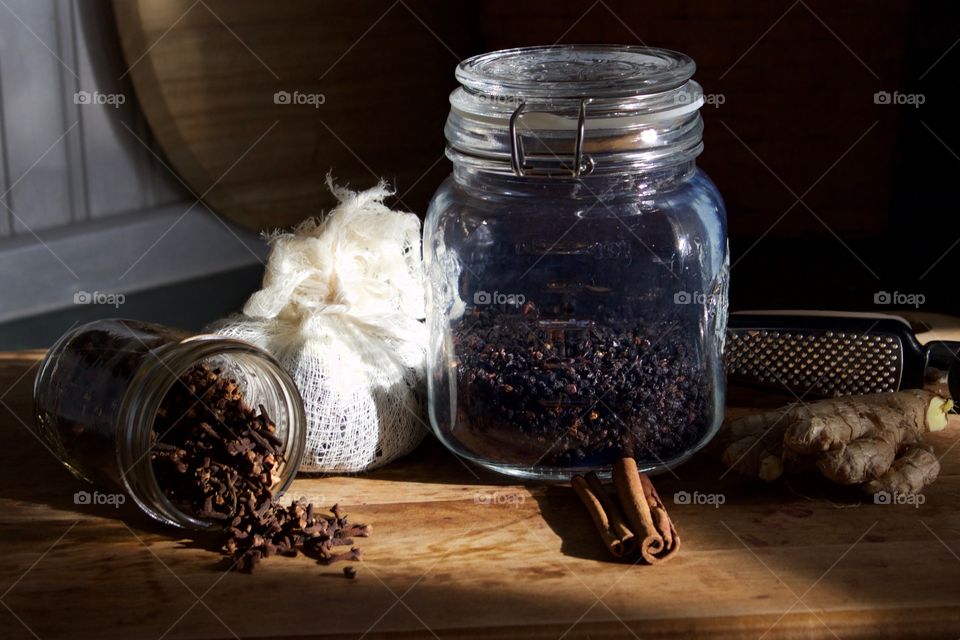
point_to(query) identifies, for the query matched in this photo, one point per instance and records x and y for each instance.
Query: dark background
(831, 197)
(876, 182)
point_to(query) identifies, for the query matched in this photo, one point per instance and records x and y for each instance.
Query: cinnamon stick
(606, 516)
(661, 521)
(658, 539)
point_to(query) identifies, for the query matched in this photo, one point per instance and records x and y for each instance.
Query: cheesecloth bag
(341, 308)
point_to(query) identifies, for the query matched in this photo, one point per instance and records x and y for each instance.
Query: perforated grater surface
(823, 354)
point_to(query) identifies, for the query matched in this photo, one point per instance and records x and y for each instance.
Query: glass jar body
(99, 388)
(574, 321)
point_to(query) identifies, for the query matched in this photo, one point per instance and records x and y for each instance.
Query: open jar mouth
(575, 110)
(264, 382)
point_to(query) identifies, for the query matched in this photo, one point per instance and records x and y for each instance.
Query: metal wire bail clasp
(581, 164)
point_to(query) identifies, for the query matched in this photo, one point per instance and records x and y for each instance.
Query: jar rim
(150, 385)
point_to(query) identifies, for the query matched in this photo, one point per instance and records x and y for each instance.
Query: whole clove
(353, 554)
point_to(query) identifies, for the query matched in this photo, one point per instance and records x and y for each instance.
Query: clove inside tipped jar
(578, 264)
(110, 395)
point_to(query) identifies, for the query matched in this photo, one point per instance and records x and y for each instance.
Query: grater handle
(943, 365)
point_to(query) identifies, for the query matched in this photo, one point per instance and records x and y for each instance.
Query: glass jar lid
(575, 71)
(575, 110)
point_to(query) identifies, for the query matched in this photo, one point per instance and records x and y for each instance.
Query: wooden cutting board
(206, 74)
(458, 553)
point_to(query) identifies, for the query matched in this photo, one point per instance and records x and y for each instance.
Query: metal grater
(824, 354)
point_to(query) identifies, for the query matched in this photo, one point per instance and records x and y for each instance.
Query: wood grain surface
(458, 553)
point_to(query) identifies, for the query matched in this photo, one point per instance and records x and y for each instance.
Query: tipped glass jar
(100, 389)
(578, 264)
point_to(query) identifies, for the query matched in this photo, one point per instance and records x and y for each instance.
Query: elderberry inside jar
(578, 264)
(121, 403)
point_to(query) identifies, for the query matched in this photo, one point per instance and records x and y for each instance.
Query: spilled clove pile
(218, 459)
(287, 531)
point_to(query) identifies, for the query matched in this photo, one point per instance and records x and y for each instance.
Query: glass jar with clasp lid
(577, 262)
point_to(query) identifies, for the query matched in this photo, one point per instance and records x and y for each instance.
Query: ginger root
(872, 440)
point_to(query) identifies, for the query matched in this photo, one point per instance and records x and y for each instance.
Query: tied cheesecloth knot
(342, 308)
(360, 264)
